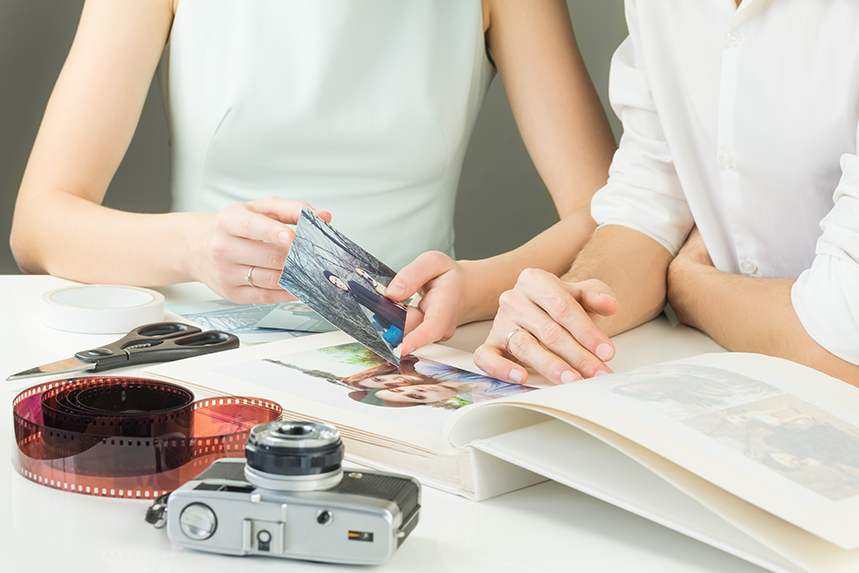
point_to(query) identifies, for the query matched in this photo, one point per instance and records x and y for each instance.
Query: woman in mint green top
(360, 108)
(365, 113)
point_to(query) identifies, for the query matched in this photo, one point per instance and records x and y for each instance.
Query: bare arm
(567, 135)
(745, 314)
(60, 226)
(90, 119)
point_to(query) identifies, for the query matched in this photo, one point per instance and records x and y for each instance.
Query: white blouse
(744, 122)
(363, 108)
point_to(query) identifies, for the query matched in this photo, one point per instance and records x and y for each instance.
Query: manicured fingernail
(568, 376)
(601, 373)
(516, 376)
(604, 351)
(395, 289)
(284, 238)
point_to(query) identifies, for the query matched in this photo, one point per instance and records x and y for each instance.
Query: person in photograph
(419, 381)
(375, 285)
(820, 456)
(769, 417)
(691, 388)
(469, 391)
(367, 119)
(387, 375)
(411, 371)
(390, 316)
(734, 196)
(815, 444)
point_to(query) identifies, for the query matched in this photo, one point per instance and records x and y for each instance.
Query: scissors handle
(158, 342)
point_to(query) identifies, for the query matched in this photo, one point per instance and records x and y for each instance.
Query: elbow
(816, 356)
(824, 303)
(23, 248)
(19, 252)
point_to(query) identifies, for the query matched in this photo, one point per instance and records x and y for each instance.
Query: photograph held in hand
(346, 285)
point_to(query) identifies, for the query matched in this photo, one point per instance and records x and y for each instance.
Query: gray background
(502, 201)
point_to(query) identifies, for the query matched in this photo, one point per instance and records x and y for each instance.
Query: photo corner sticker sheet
(344, 284)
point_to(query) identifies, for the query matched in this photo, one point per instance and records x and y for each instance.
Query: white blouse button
(726, 160)
(733, 38)
(748, 267)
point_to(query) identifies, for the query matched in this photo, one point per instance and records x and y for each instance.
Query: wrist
(194, 235)
(480, 298)
(686, 281)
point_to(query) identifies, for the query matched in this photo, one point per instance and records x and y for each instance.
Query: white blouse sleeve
(826, 296)
(643, 191)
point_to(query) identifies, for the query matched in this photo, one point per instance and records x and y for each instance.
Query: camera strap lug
(157, 513)
(409, 524)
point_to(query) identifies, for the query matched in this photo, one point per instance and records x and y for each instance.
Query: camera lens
(292, 430)
(297, 456)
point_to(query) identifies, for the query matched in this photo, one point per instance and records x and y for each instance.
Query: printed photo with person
(750, 418)
(424, 382)
(415, 382)
(792, 437)
(346, 285)
(352, 378)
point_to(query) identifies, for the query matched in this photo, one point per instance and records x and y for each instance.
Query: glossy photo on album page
(345, 284)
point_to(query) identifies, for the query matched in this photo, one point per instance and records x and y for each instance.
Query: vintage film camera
(293, 499)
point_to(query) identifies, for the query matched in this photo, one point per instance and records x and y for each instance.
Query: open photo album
(754, 455)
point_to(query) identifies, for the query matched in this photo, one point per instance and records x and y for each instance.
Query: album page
(780, 436)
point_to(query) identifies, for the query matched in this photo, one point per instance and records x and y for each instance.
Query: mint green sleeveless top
(362, 108)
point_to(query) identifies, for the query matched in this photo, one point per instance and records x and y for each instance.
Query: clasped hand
(557, 330)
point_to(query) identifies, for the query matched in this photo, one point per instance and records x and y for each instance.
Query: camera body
(292, 499)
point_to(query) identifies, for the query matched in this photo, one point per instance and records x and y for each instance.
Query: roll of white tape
(101, 309)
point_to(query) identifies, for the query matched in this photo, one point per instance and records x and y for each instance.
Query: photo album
(757, 456)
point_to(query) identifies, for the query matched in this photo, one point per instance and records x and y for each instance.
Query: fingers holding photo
(242, 252)
(440, 282)
(264, 219)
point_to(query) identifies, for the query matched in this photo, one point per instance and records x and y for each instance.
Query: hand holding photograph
(345, 284)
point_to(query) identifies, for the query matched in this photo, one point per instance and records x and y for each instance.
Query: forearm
(59, 225)
(634, 266)
(556, 107)
(552, 250)
(564, 129)
(64, 235)
(748, 315)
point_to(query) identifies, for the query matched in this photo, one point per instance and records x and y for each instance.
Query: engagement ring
(248, 277)
(509, 336)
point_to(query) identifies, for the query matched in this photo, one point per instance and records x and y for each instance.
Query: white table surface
(547, 527)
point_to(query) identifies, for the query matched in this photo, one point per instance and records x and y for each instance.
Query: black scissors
(157, 342)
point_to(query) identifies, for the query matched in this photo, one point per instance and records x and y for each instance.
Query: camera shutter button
(198, 521)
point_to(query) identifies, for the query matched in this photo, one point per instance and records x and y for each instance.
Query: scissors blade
(67, 366)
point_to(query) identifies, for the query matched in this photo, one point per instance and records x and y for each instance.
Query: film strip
(127, 437)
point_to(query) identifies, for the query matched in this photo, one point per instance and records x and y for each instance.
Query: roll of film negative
(127, 437)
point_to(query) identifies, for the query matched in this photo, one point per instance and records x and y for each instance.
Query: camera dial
(294, 456)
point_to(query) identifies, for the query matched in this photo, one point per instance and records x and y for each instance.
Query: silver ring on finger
(248, 277)
(509, 336)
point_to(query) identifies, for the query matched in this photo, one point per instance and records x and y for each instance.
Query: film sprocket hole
(292, 498)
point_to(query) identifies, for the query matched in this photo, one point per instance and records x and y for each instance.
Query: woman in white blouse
(360, 108)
